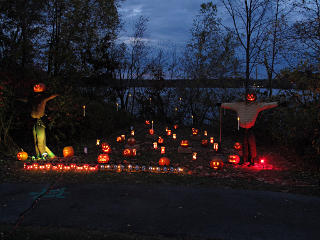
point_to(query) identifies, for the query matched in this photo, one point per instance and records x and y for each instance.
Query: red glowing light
(262, 161)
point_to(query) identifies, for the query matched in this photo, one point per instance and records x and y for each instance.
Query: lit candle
(169, 132)
(166, 129)
(192, 119)
(132, 132)
(205, 133)
(194, 156)
(215, 146)
(176, 109)
(84, 110)
(117, 106)
(238, 122)
(163, 150)
(211, 140)
(152, 124)
(174, 136)
(98, 142)
(123, 137)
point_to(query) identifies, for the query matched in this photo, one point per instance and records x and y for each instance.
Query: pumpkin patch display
(103, 158)
(164, 161)
(105, 147)
(184, 143)
(131, 141)
(39, 87)
(216, 163)
(68, 151)
(22, 156)
(233, 158)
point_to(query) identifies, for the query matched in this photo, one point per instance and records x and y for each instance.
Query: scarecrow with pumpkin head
(247, 114)
(38, 104)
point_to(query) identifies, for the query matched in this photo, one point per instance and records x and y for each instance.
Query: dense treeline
(74, 47)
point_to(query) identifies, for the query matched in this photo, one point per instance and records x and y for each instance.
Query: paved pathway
(168, 210)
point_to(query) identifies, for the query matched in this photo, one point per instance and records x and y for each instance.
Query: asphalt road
(180, 211)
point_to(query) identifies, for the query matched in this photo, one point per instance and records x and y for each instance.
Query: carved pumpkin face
(164, 161)
(103, 158)
(39, 87)
(237, 146)
(68, 151)
(251, 97)
(216, 163)
(105, 147)
(22, 156)
(195, 131)
(127, 152)
(184, 143)
(119, 139)
(204, 142)
(160, 140)
(235, 159)
(131, 141)
(147, 122)
(151, 131)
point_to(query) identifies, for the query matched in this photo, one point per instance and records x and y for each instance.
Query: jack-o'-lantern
(233, 158)
(119, 139)
(237, 146)
(195, 131)
(164, 161)
(216, 163)
(184, 143)
(251, 97)
(127, 152)
(216, 146)
(147, 122)
(204, 142)
(105, 147)
(68, 151)
(22, 156)
(103, 158)
(39, 87)
(160, 140)
(175, 126)
(131, 141)
(151, 131)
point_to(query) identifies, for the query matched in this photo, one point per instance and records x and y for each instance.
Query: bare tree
(250, 21)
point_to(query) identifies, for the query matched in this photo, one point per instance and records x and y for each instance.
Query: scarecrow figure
(38, 104)
(247, 114)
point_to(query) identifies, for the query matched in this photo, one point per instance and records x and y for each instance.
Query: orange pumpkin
(39, 87)
(195, 131)
(105, 147)
(131, 141)
(22, 156)
(164, 161)
(233, 158)
(68, 151)
(151, 131)
(103, 158)
(216, 146)
(175, 126)
(147, 122)
(127, 152)
(204, 142)
(160, 140)
(237, 146)
(251, 97)
(184, 143)
(119, 139)
(216, 163)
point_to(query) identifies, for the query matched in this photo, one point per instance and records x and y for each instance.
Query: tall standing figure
(38, 104)
(247, 114)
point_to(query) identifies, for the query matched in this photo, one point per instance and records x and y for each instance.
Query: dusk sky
(169, 20)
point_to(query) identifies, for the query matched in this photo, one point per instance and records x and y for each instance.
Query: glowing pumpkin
(160, 140)
(131, 141)
(127, 152)
(105, 147)
(175, 126)
(251, 97)
(195, 131)
(164, 161)
(103, 158)
(68, 151)
(39, 87)
(216, 163)
(119, 139)
(151, 131)
(184, 143)
(237, 146)
(147, 122)
(22, 156)
(204, 142)
(233, 158)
